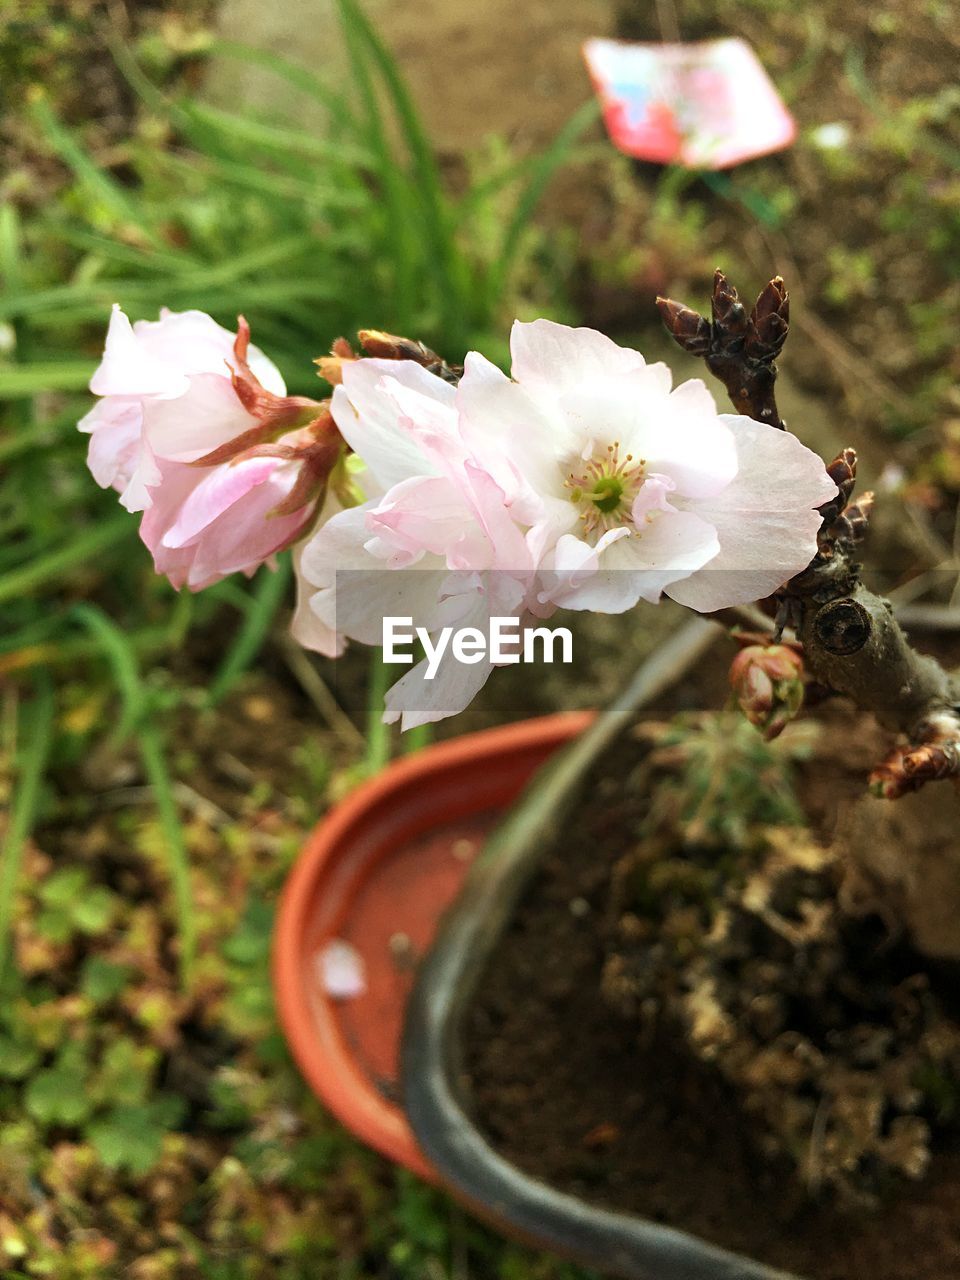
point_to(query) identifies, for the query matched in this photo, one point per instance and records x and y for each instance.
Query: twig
(929, 617)
(316, 689)
(852, 641)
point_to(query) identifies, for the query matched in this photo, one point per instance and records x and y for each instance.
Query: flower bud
(767, 681)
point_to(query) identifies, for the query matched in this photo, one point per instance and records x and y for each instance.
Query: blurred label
(705, 106)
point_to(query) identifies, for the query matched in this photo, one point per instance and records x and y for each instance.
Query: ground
(157, 1129)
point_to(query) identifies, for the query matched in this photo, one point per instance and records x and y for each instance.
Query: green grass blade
(44, 375)
(402, 219)
(265, 602)
(540, 172)
(301, 78)
(378, 734)
(443, 252)
(85, 546)
(158, 778)
(24, 808)
(123, 661)
(148, 640)
(85, 170)
(148, 261)
(415, 739)
(137, 719)
(270, 138)
(10, 248)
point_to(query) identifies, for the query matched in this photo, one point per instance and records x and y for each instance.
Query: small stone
(402, 951)
(258, 708)
(464, 850)
(579, 907)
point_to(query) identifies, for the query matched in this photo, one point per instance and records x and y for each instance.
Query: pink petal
(114, 425)
(128, 368)
(555, 356)
(515, 436)
(195, 343)
(207, 415)
(643, 565)
(219, 489)
(765, 519)
(370, 421)
(305, 626)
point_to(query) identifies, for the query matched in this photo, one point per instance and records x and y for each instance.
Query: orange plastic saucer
(378, 872)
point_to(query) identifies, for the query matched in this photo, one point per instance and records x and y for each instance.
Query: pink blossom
(204, 523)
(166, 396)
(432, 512)
(585, 480)
(641, 489)
(182, 391)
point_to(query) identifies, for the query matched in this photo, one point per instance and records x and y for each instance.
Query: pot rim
(305, 1014)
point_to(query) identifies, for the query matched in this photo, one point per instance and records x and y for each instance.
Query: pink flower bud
(768, 683)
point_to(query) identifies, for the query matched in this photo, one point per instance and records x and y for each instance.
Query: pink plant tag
(705, 106)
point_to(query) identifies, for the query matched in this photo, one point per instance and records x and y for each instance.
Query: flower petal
(114, 426)
(552, 356)
(221, 488)
(514, 436)
(354, 592)
(129, 368)
(642, 565)
(370, 420)
(306, 627)
(206, 416)
(765, 519)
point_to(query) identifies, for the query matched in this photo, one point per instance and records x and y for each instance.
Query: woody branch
(851, 641)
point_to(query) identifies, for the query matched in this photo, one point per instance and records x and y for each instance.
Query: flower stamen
(604, 488)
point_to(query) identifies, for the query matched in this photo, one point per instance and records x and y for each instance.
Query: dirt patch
(657, 1133)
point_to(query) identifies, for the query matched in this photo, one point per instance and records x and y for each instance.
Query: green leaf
(250, 944)
(17, 1057)
(131, 1138)
(62, 887)
(103, 980)
(125, 1074)
(95, 910)
(58, 1095)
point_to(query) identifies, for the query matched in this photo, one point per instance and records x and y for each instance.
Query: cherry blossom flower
(584, 480)
(207, 522)
(167, 394)
(630, 489)
(190, 431)
(433, 513)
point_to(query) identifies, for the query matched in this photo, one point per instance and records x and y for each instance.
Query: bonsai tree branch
(852, 643)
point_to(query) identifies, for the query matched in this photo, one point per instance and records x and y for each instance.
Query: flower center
(604, 488)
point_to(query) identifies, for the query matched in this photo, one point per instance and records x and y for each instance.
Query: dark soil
(565, 1090)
